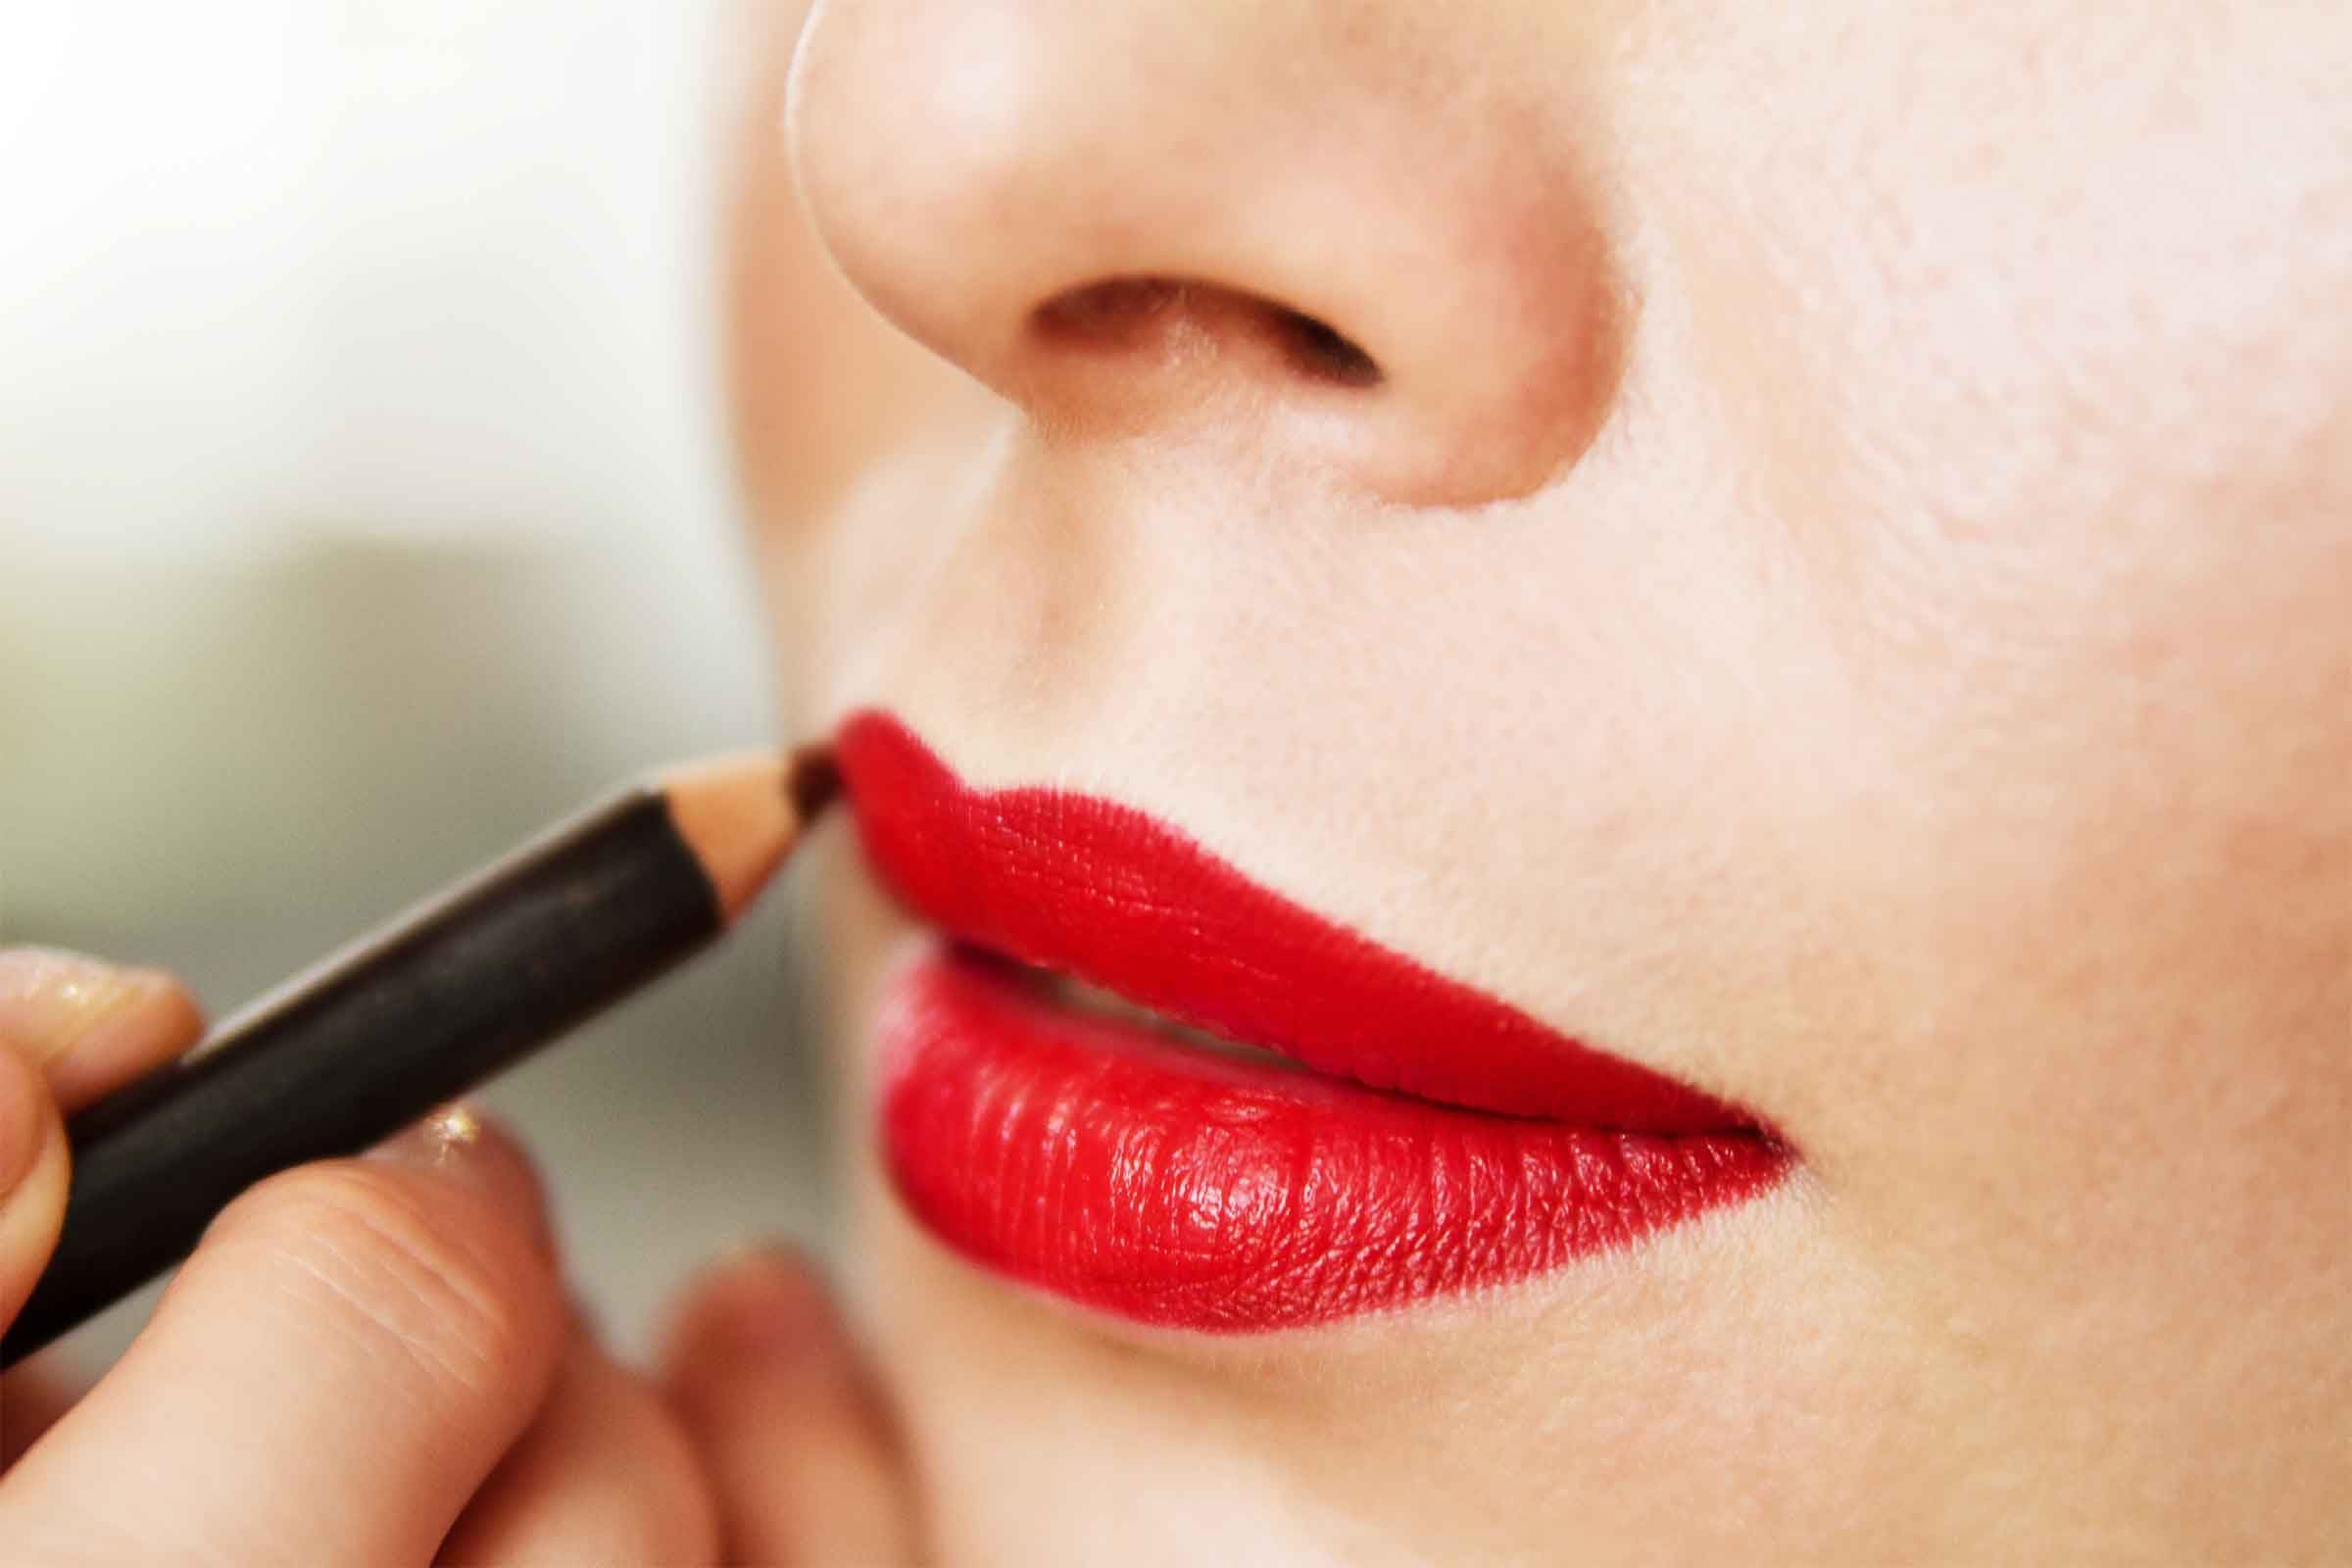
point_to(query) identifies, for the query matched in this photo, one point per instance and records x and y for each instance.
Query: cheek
(2050, 470)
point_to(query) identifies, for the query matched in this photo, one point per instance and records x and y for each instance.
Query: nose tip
(1134, 228)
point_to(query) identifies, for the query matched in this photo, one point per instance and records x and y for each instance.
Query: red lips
(1455, 1141)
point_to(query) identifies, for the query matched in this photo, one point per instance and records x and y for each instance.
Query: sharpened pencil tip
(741, 815)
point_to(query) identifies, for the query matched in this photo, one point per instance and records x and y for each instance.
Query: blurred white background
(363, 505)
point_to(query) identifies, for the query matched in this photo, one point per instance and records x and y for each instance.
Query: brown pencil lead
(812, 779)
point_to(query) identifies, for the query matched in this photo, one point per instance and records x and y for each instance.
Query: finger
(792, 1433)
(33, 1170)
(329, 1378)
(91, 1026)
(604, 1474)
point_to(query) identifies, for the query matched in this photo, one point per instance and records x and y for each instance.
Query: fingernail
(451, 1139)
(461, 1143)
(57, 1006)
(23, 1125)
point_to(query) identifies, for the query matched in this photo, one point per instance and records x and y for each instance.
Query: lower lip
(1106, 1163)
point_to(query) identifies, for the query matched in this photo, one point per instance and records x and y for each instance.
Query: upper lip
(1085, 886)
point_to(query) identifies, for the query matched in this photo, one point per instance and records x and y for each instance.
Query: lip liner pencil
(342, 1056)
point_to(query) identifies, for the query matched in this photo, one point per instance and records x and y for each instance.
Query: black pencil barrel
(346, 1054)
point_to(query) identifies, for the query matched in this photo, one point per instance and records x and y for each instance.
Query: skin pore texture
(1836, 593)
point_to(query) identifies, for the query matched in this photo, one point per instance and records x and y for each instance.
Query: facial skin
(1838, 595)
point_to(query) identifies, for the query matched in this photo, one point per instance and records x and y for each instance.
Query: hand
(791, 1430)
(365, 1360)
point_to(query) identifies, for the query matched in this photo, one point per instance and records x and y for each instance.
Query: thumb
(791, 1430)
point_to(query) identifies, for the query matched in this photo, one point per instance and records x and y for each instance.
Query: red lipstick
(1443, 1138)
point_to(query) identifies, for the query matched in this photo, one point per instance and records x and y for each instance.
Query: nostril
(1113, 313)
(1324, 351)
(1126, 315)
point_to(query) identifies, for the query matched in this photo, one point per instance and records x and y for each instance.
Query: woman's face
(1804, 548)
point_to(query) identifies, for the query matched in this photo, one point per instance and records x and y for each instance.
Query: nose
(1264, 226)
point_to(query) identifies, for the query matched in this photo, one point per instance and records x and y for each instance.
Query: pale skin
(1838, 595)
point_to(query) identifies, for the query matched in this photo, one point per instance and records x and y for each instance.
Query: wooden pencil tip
(741, 816)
